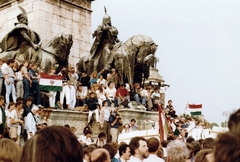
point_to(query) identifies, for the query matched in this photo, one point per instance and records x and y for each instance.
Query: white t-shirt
(83, 138)
(14, 116)
(110, 93)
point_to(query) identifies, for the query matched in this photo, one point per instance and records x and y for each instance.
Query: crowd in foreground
(59, 144)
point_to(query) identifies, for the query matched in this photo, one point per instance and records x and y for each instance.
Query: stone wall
(50, 17)
(79, 120)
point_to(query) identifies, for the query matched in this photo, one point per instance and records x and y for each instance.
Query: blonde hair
(9, 151)
(94, 74)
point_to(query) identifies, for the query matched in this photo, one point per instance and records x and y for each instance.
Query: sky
(198, 47)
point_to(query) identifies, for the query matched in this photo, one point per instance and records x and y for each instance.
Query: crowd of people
(59, 143)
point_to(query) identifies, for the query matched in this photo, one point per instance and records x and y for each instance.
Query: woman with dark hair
(55, 144)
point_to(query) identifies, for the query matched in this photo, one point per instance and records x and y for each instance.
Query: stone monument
(51, 17)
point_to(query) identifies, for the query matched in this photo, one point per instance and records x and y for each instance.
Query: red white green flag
(195, 109)
(50, 82)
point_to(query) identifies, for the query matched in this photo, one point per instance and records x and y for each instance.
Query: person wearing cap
(22, 39)
(31, 123)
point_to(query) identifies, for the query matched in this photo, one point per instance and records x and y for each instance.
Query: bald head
(100, 155)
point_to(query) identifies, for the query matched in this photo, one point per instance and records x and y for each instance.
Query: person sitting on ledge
(135, 93)
(122, 95)
(92, 103)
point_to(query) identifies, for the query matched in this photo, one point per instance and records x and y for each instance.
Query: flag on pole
(195, 109)
(163, 125)
(50, 82)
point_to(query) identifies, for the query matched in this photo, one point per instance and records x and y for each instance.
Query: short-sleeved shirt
(15, 117)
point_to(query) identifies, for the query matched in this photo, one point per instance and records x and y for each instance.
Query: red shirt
(123, 92)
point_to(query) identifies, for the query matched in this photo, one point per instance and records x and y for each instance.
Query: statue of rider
(21, 39)
(105, 38)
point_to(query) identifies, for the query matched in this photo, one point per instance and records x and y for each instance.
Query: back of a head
(190, 139)
(99, 155)
(177, 151)
(54, 143)
(111, 149)
(227, 147)
(234, 122)
(201, 155)
(208, 143)
(9, 151)
(196, 147)
(153, 144)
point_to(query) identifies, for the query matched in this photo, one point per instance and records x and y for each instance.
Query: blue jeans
(35, 87)
(109, 102)
(26, 88)
(138, 98)
(10, 88)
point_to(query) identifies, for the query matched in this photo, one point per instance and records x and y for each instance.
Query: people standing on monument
(9, 81)
(34, 75)
(65, 89)
(19, 84)
(52, 98)
(84, 79)
(72, 90)
(27, 81)
(22, 39)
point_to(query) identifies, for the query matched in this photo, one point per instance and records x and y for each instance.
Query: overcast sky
(199, 47)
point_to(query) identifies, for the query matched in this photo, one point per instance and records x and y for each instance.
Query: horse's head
(149, 47)
(62, 44)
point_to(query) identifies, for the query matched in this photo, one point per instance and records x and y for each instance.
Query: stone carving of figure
(21, 40)
(105, 37)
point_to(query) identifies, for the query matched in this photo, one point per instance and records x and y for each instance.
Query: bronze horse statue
(125, 57)
(55, 52)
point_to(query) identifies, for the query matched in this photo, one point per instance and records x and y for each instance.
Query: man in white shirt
(31, 123)
(111, 94)
(139, 149)
(86, 139)
(153, 145)
(124, 153)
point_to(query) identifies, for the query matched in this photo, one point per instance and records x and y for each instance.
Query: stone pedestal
(79, 120)
(50, 17)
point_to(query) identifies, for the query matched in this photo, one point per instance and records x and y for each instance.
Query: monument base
(79, 119)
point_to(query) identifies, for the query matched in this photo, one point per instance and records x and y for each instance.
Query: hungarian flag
(50, 82)
(163, 125)
(195, 109)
